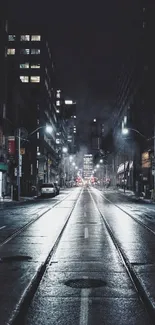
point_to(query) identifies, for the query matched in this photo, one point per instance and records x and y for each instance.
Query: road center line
(84, 306)
(86, 235)
(2, 227)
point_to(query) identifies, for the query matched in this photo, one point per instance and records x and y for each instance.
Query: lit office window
(10, 51)
(11, 37)
(35, 51)
(58, 103)
(25, 37)
(25, 51)
(35, 78)
(58, 95)
(35, 38)
(24, 65)
(35, 66)
(37, 135)
(24, 78)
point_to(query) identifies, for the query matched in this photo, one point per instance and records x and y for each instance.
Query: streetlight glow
(125, 131)
(101, 161)
(48, 129)
(64, 150)
(97, 166)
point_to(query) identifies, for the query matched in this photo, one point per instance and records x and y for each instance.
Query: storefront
(125, 174)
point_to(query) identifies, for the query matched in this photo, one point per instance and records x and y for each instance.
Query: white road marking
(2, 227)
(84, 306)
(86, 235)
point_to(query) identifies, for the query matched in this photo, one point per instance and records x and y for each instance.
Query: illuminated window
(37, 135)
(25, 51)
(58, 102)
(24, 65)
(35, 66)
(58, 95)
(25, 37)
(10, 51)
(35, 78)
(35, 38)
(35, 51)
(24, 78)
(11, 37)
(58, 111)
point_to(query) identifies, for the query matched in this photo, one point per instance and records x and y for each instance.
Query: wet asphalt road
(14, 217)
(85, 280)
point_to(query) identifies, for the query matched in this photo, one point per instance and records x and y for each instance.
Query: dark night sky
(89, 43)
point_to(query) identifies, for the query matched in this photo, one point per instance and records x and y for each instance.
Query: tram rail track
(128, 266)
(19, 230)
(25, 301)
(130, 215)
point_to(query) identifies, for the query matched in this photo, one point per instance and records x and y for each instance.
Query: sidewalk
(7, 201)
(132, 195)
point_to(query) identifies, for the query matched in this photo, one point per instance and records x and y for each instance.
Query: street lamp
(126, 131)
(48, 129)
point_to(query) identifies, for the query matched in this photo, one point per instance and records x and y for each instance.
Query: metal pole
(154, 160)
(124, 167)
(19, 165)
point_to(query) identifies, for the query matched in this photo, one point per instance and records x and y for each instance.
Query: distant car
(57, 187)
(48, 189)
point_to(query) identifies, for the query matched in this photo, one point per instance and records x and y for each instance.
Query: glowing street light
(125, 131)
(64, 149)
(101, 161)
(48, 129)
(97, 166)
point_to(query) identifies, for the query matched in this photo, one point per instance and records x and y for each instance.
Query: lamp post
(64, 151)
(48, 129)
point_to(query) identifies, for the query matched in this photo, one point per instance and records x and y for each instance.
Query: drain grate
(85, 283)
(15, 258)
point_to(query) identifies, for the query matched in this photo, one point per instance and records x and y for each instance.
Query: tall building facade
(3, 85)
(31, 97)
(135, 103)
(87, 166)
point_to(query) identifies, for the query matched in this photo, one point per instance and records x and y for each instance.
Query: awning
(121, 167)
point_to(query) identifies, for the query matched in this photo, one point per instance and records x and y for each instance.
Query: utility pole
(124, 167)
(19, 164)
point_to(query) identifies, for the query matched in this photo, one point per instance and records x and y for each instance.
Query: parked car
(57, 188)
(48, 189)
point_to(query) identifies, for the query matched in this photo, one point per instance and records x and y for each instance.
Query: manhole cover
(85, 283)
(16, 258)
